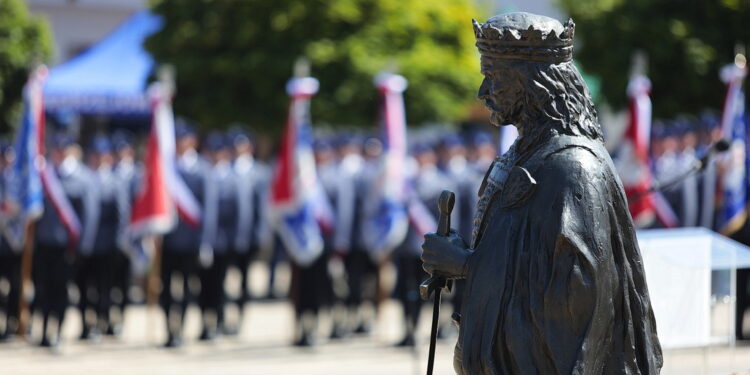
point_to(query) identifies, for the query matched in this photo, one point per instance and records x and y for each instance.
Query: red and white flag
(299, 207)
(163, 192)
(387, 213)
(633, 163)
(51, 184)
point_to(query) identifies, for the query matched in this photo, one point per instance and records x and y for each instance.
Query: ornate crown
(501, 38)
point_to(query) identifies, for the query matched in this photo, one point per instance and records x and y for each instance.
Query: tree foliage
(686, 42)
(233, 58)
(24, 42)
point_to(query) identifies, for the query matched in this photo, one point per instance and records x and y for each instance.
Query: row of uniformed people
(231, 187)
(675, 148)
(97, 205)
(100, 191)
(347, 169)
(696, 200)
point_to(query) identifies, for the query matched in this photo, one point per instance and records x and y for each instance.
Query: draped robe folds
(556, 284)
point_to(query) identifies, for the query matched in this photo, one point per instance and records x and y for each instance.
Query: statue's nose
(484, 89)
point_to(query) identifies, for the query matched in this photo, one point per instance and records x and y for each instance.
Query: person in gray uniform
(361, 271)
(332, 285)
(10, 258)
(311, 287)
(425, 185)
(253, 231)
(453, 162)
(94, 274)
(221, 211)
(54, 248)
(128, 172)
(187, 243)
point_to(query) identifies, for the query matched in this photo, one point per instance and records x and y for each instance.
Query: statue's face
(501, 92)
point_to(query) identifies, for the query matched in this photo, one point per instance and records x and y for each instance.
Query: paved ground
(262, 348)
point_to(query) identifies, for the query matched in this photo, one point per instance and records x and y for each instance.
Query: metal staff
(436, 283)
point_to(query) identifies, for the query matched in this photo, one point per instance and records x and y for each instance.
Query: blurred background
(220, 172)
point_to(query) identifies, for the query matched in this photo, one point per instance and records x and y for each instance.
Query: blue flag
(733, 211)
(24, 200)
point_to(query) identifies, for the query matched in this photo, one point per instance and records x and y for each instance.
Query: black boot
(173, 341)
(407, 342)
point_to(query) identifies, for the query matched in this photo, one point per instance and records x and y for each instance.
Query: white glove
(206, 256)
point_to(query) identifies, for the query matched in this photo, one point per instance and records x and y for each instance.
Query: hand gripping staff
(436, 283)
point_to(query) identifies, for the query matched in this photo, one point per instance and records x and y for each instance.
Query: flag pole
(153, 282)
(24, 315)
(38, 74)
(166, 76)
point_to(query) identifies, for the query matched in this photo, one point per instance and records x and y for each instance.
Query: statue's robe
(556, 284)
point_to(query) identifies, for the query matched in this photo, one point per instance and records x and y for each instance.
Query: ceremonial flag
(299, 207)
(633, 165)
(386, 220)
(24, 201)
(153, 210)
(733, 211)
(163, 191)
(633, 162)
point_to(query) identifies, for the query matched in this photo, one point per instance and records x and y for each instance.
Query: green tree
(233, 58)
(24, 42)
(686, 42)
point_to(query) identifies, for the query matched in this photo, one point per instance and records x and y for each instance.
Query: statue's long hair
(555, 97)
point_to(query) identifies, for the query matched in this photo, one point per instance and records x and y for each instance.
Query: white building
(77, 24)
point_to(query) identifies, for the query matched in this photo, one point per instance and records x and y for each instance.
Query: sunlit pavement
(263, 347)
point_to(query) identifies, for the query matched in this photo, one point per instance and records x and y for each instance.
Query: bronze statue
(554, 277)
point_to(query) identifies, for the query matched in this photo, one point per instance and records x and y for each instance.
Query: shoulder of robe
(551, 171)
(518, 187)
(573, 169)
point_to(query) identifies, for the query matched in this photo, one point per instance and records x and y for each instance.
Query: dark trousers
(120, 279)
(242, 262)
(311, 287)
(743, 299)
(409, 275)
(94, 281)
(51, 273)
(360, 268)
(173, 263)
(10, 271)
(212, 284)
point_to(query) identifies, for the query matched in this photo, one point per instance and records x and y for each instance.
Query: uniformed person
(707, 180)
(426, 183)
(54, 248)
(221, 212)
(311, 288)
(253, 232)
(128, 172)
(666, 164)
(686, 159)
(326, 162)
(186, 246)
(361, 271)
(94, 274)
(10, 257)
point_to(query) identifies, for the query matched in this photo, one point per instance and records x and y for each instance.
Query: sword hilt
(445, 206)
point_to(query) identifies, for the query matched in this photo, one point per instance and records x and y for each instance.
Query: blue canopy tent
(110, 77)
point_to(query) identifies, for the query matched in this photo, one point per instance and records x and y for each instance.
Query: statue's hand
(445, 256)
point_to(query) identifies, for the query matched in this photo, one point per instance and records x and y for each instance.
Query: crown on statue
(525, 37)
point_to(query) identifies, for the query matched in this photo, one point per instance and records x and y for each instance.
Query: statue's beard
(497, 119)
(500, 119)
